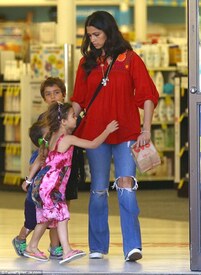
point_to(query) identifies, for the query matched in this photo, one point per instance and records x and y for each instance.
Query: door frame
(194, 105)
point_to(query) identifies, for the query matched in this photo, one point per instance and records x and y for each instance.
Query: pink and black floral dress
(49, 187)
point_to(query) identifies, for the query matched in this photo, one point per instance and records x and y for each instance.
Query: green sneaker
(19, 246)
(56, 252)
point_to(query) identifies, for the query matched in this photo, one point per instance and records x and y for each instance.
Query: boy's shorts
(30, 214)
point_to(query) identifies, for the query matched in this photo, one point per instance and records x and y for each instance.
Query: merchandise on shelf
(163, 123)
(162, 55)
(10, 133)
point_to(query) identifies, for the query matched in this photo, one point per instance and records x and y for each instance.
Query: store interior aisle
(165, 237)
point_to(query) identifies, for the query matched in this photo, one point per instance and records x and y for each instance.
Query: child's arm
(32, 172)
(34, 167)
(91, 144)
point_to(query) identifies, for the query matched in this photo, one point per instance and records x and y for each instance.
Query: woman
(127, 88)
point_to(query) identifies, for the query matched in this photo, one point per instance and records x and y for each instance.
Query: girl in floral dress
(50, 182)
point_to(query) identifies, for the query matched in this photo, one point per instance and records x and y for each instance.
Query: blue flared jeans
(100, 162)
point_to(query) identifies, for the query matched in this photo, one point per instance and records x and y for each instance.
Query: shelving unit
(181, 135)
(163, 125)
(11, 3)
(15, 145)
(170, 137)
(10, 138)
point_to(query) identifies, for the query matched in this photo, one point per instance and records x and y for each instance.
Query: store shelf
(16, 114)
(166, 149)
(163, 123)
(92, 3)
(4, 144)
(155, 178)
(39, 3)
(181, 135)
(11, 3)
(163, 69)
(10, 138)
(86, 2)
(165, 95)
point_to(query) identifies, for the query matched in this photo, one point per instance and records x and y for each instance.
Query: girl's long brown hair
(52, 118)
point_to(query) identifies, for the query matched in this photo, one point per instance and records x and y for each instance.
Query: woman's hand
(143, 138)
(112, 126)
(76, 107)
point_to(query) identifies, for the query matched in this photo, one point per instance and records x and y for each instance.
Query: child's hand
(112, 126)
(24, 186)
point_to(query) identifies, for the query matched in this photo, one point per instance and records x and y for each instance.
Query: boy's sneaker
(19, 246)
(134, 255)
(56, 252)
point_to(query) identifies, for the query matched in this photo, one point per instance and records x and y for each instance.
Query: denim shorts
(30, 214)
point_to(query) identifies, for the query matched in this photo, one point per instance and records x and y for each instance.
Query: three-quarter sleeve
(144, 87)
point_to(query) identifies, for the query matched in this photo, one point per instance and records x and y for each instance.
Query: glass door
(194, 72)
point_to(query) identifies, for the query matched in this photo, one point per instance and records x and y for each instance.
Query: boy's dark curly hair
(37, 131)
(51, 81)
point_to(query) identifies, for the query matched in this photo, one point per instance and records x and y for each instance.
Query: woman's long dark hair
(114, 44)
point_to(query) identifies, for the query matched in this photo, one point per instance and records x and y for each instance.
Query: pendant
(104, 81)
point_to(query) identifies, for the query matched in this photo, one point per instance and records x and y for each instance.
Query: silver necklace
(105, 78)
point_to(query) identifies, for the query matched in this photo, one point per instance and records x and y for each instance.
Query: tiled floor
(164, 225)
